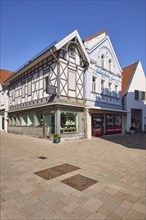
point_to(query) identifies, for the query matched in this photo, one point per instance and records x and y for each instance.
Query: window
(102, 60)
(68, 122)
(72, 51)
(23, 89)
(110, 65)
(110, 89)
(24, 120)
(38, 119)
(71, 80)
(136, 95)
(13, 94)
(116, 90)
(143, 96)
(102, 86)
(46, 82)
(29, 119)
(29, 86)
(93, 84)
(17, 121)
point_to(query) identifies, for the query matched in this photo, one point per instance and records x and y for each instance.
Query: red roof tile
(4, 75)
(127, 74)
(96, 35)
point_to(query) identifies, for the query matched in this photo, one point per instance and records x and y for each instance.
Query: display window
(118, 123)
(97, 124)
(68, 122)
(110, 124)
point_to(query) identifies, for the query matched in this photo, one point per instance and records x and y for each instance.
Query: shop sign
(105, 74)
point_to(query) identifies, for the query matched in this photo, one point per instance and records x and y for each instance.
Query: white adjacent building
(103, 87)
(134, 96)
(4, 99)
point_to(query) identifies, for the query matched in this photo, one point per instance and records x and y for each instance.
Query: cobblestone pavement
(117, 164)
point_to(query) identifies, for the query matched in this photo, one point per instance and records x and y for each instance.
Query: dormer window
(110, 64)
(102, 60)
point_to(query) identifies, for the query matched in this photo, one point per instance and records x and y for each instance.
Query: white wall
(137, 83)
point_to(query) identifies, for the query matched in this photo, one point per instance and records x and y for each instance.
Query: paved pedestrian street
(101, 178)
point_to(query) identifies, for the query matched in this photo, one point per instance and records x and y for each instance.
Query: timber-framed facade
(46, 96)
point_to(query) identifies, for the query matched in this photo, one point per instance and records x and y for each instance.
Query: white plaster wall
(137, 83)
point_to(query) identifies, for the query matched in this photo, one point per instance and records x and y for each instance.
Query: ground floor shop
(104, 122)
(44, 122)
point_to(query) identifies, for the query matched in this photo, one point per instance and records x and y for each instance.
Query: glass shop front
(106, 124)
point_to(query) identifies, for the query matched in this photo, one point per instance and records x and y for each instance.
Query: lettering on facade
(105, 74)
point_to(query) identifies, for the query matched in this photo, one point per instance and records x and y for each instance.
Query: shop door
(97, 124)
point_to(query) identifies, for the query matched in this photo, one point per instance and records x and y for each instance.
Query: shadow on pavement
(137, 141)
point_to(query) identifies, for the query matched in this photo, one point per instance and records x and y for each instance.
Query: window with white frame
(102, 60)
(110, 64)
(102, 86)
(116, 91)
(93, 84)
(29, 86)
(23, 89)
(110, 89)
(71, 80)
(143, 96)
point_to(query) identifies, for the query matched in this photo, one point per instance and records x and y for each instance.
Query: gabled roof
(127, 74)
(4, 75)
(96, 35)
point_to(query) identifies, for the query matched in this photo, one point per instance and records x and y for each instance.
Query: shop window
(118, 123)
(13, 121)
(110, 124)
(71, 80)
(136, 95)
(10, 121)
(17, 121)
(52, 124)
(93, 84)
(38, 119)
(24, 120)
(68, 122)
(29, 119)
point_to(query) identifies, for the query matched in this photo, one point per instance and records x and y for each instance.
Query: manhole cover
(42, 157)
(56, 171)
(79, 182)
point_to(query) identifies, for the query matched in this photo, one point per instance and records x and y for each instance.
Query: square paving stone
(42, 157)
(79, 182)
(56, 171)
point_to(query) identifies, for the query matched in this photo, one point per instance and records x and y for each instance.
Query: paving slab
(116, 164)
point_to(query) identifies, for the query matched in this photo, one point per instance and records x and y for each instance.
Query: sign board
(51, 89)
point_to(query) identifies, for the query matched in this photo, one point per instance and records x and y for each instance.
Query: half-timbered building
(46, 95)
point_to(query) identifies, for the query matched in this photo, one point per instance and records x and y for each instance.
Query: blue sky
(27, 27)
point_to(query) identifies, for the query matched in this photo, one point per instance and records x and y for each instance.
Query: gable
(102, 46)
(138, 79)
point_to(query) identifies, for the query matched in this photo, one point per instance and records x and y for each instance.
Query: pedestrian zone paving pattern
(101, 178)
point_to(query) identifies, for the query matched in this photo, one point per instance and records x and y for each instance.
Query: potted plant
(132, 129)
(56, 138)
